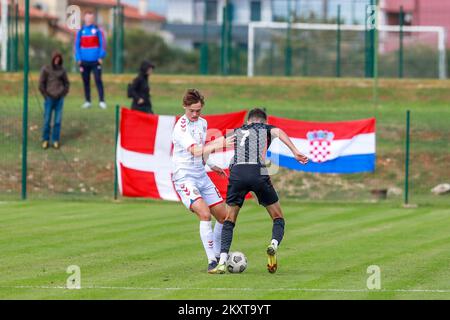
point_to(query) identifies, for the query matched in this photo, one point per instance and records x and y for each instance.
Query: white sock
(274, 243)
(206, 234)
(217, 238)
(223, 258)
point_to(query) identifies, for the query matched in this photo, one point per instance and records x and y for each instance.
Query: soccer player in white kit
(193, 185)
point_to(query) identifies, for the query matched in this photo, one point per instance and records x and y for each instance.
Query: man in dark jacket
(140, 89)
(54, 86)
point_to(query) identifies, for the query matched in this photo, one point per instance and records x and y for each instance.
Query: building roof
(131, 12)
(36, 14)
(97, 3)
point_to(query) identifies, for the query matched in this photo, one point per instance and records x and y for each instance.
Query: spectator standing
(139, 89)
(54, 86)
(90, 50)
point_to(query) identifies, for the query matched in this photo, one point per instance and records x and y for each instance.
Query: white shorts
(190, 190)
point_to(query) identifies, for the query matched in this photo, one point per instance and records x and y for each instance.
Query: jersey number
(246, 134)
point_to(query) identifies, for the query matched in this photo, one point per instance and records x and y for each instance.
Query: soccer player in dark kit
(248, 172)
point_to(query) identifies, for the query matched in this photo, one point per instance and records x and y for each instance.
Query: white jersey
(185, 134)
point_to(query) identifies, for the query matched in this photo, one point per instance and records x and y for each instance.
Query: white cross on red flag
(144, 152)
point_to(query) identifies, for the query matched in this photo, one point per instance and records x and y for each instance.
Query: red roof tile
(131, 12)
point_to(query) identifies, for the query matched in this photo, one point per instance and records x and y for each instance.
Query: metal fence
(326, 38)
(84, 167)
(341, 38)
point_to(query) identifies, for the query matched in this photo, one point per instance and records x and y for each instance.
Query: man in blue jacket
(90, 50)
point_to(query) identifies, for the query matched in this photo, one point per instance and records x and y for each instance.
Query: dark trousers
(95, 68)
(55, 107)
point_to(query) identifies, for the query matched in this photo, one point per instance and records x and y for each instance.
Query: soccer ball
(237, 262)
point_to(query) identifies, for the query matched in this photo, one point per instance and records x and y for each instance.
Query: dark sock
(227, 236)
(278, 229)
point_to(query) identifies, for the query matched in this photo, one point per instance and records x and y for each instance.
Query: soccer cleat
(219, 269)
(86, 105)
(102, 105)
(212, 265)
(272, 258)
(44, 145)
(56, 145)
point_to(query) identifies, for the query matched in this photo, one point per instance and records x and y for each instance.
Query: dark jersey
(252, 142)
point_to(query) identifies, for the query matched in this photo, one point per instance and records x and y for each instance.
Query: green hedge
(139, 45)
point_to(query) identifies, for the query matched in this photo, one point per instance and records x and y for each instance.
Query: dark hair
(57, 54)
(257, 114)
(88, 12)
(193, 96)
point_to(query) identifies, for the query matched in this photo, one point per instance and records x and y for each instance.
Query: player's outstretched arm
(278, 133)
(215, 145)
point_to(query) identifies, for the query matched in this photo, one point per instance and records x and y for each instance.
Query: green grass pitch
(152, 250)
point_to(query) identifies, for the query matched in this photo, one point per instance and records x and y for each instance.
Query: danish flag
(144, 153)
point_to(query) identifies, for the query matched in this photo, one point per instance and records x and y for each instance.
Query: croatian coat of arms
(320, 145)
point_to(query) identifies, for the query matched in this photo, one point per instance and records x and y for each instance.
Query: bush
(140, 45)
(41, 49)
(419, 61)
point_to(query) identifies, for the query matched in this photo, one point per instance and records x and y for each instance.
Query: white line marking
(231, 289)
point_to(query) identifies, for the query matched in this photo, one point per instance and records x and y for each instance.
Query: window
(394, 18)
(211, 10)
(255, 11)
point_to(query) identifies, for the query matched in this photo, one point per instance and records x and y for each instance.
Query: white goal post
(440, 31)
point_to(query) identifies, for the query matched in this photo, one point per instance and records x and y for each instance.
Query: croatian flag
(332, 147)
(144, 153)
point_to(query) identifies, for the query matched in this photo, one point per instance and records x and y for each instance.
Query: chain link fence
(83, 168)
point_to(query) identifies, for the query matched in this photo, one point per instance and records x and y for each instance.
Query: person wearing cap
(139, 89)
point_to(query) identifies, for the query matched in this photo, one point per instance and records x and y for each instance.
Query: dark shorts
(248, 177)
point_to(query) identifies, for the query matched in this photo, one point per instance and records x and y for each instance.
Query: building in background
(40, 22)
(53, 12)
(417, 13)
(185, 19)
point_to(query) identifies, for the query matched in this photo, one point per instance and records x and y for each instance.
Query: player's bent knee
(232, 213)
(219, 212)
(204, 216)
(200, 208)
(275, 211)
(220, 220)
(231, 218)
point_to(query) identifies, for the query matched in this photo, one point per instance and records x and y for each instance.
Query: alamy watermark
(74, 280)
(73, 17)
(374, 280)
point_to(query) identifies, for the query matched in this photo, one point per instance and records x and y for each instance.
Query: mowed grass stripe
(166, 252)
(360, 223)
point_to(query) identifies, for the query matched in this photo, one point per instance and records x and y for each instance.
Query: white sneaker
(86, 105)
(102, 105)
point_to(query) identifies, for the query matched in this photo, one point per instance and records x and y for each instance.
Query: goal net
(315, 48)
